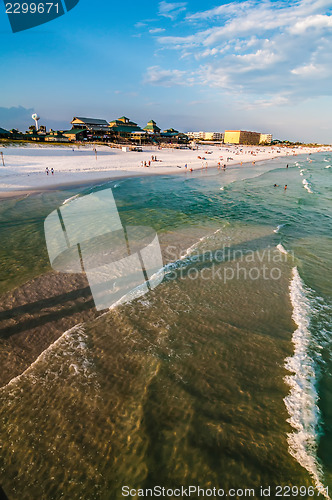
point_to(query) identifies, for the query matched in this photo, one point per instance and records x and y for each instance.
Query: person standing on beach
(47, 171)
(52, 171)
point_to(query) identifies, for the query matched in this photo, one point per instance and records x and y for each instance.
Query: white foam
(301, 403)
(71, 347)
(195, 245)
(278, 228)
(328, 166)
(70, 199)
(282, 249)
(307, 186)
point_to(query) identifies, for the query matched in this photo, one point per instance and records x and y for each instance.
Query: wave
(72, 349)
(74, 340)
(328, 166)
(301, 403)
(307, 186)
(278, 228)
(70, 199)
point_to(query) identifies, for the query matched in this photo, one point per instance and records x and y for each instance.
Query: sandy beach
(25, 167)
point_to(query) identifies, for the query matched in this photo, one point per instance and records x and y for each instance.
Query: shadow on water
(37, 311)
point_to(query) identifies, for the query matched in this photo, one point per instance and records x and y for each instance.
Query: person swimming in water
(285, 187)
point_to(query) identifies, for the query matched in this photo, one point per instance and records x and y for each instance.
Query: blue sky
(255, 65)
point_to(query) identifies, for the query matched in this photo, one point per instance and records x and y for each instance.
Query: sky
(264, 66)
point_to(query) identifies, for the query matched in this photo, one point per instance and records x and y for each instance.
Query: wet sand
(35, 315)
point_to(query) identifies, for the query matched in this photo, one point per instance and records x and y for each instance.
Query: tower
(36, 118)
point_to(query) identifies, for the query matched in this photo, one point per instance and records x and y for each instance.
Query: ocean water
(220, 377)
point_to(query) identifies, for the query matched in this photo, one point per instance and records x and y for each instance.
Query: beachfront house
(171, 135)
(242, 137)
(55, 136)
(123, 127)
(96, 129)
(151, 128)
(76, 134)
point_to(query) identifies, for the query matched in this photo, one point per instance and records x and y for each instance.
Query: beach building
(196, 135)
(171, 135)
(96, 128)
(242, 137)
(265, 139)
(151, 128)
(124, 127)
(56, 136)
(170, 131)
(90, 124)
(206, 136)
(76, 134)
(213, 136)
(36, 135)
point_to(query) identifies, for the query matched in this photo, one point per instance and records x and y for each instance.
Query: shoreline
(24, 173)
(16, 194)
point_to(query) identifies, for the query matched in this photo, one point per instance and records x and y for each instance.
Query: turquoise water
(219, 377)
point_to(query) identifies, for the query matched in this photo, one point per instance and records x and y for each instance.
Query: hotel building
(242, 137)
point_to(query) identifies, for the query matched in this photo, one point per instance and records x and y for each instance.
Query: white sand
(24, 168)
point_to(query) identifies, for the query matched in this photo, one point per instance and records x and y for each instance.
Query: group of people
(47, 170)
(148, 163)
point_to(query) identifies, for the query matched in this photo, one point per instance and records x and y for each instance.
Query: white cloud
(249, 47)
(319, 22)
(167, 77)
(171, 10)
(310, 71)
(258, 60)
(156, 30)
(140, 25)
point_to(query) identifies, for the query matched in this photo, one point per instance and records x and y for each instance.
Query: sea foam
(307, 186)
(301, 403)
(282, 249)
(278, 228)
(72, 352)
